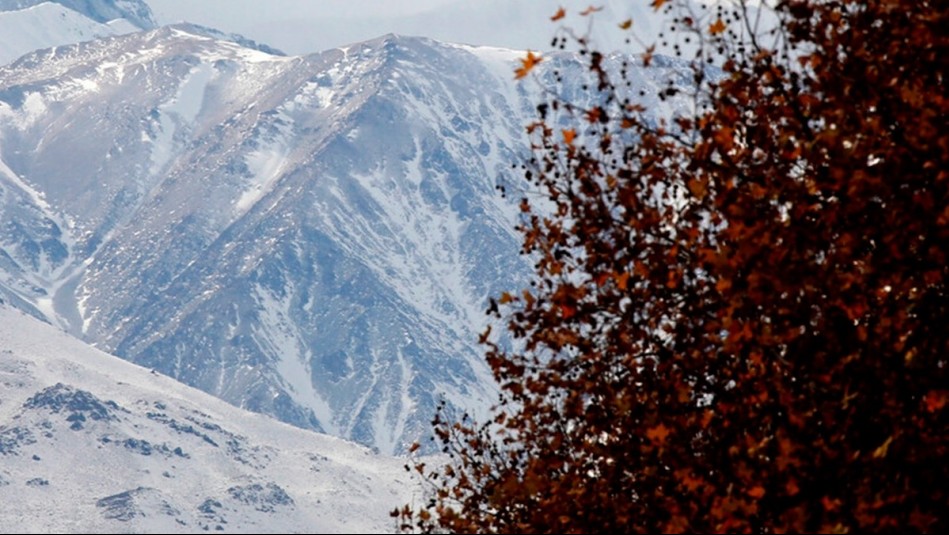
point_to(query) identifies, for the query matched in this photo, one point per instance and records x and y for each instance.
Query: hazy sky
(302, 26)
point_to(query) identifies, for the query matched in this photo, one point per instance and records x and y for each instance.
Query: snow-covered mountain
(135, 12)
(28, 25)
(46, 25)
(92, 444)
(310, 237)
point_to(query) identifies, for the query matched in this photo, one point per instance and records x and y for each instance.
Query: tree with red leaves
(739, 320)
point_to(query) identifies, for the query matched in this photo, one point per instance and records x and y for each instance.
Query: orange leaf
(568, 136)
(698, 188)
(881, 452)
(687, 480)
(756, 492)
(590, 10)
(658, 434)
(717, 27)
(561, 13)
(527, 64)
(626, 24)
(656, 4)
(622, 279)
(567, 311)
(505, 298)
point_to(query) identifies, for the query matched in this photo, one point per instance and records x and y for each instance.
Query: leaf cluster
(739, 317)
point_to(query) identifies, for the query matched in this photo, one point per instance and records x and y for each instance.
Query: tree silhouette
(739, 316)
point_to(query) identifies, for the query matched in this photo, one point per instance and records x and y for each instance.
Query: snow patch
(279, 336)
(178, 114)
(266, 164)
(190, 98)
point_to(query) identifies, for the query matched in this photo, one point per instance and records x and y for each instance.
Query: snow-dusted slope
(48, 25)
(134, 12)
(310, 237)
(92, 444)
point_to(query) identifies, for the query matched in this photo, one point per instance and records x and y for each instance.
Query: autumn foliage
(739, 320)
